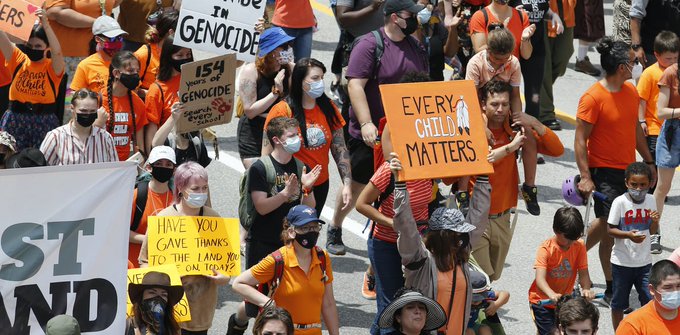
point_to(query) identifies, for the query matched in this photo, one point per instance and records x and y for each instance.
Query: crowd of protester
(88, 87)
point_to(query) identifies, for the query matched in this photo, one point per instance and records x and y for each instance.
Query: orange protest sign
(17, 17)
(437, 129)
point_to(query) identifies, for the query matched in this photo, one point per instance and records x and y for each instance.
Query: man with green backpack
(269, 189)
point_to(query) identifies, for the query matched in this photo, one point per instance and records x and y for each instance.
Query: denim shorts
(624, 278)
(668, 157)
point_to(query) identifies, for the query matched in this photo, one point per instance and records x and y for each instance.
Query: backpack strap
(322, 258)
(16, 70)
(486, 18)
(140, 203)
(386, 193)
(521, 18)
(269, 170)
(378, 52)
(160, 89)
(148, 61)
(278, 271)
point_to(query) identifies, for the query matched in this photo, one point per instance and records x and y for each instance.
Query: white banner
(63, 246)
(221, 26)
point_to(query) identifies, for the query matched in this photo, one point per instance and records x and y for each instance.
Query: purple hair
(184, 174)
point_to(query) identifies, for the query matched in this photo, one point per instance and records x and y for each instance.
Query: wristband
(643, 121)
(650, 162)
(363, 124)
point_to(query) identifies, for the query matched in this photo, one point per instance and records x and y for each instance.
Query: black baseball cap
(393, 6)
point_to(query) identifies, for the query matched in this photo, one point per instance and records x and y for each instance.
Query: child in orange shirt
(558, 261)
(126, 115)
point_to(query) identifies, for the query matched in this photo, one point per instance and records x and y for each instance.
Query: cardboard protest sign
(207, 93)
(437, 129)
(220, 26)
(17, 17)
(195, 244)
(182, 312)
(64, 252)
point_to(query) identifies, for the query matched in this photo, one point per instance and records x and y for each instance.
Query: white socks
(582, 50)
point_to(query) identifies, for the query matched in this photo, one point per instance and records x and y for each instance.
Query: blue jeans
(624, 280)
(386, 262)
(302, 44)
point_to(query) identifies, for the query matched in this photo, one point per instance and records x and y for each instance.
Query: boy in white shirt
(632, 218)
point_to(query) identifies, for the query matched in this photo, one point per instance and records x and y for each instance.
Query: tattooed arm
(267, 147)
(247, 90)
(341, 156)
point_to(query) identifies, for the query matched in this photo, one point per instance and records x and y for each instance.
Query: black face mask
(130, 81)
(177, 63)
(86, 119)
(153, 314)
(161, 174)
(411, 25)
(32, 54)
(308, 240)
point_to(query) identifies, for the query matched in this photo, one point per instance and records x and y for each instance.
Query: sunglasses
(110, 39)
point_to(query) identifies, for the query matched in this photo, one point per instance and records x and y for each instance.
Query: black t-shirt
(267, 228)
(190, 154)
(536, 9)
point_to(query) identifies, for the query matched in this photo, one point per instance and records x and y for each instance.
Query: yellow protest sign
(182, 313)
(196, 244)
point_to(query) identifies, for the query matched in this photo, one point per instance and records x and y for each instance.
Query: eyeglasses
(273, 333)
(308, 229)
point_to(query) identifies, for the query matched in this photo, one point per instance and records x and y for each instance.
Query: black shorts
(361, 160)
(610, 182)
(257, 251)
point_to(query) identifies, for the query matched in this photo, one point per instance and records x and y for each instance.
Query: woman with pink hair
(191, 194)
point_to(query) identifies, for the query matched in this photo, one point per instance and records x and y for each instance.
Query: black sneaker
(530, 195)
(656, 244)
(540, 160)
(607, 297)
(334, 243)
(553, 125)
(235, 329)
(463, 199)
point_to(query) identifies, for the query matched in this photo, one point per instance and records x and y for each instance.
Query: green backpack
(246, 208)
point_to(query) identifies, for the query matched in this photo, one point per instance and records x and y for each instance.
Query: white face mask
(286, 56)
(196, 200)
(316, 89)
(424, 16)
(670, 300)
(636, 72)
(292, 144)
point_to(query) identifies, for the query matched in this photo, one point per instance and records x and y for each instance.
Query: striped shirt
(62, 147)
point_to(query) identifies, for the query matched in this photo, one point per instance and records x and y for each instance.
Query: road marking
(322, 8)
(349, 224)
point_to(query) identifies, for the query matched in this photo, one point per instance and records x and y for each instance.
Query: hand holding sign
(18, 18)
(395, 165)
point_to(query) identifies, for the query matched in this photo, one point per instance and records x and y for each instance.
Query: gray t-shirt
(374, 21)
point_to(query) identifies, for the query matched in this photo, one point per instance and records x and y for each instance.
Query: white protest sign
(64, 241)
(220, 26)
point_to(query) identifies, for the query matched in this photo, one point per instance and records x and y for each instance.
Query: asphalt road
(355, 312)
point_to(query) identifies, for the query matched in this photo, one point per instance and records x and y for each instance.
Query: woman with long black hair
(37, 68)
(320, 126)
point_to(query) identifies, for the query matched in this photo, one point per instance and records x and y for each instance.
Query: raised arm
(58, 63)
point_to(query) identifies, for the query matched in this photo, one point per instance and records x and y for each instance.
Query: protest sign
(207, 93)
(220, 26)
(64, 240)
(17, 17)
(182, 312)
(196, 244)
(437, 129)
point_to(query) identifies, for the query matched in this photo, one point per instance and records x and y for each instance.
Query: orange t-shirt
(92, 73)
(648, 89)
(293, 14)
(569, 18)
(614, 119)
(319, 136)
(647, 321)
(155, 202)
(75, 42)
(123, 129)
(455, 324)
(670, 79)
(31, 83)
(149, 73)
(561, 267)
(516, 25)
(505, 178)
(158, 111)
(296, 286)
